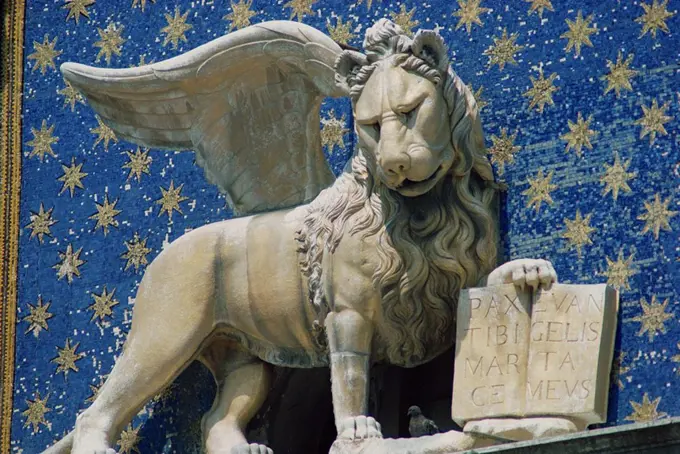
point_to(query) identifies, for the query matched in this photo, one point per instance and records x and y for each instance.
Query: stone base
(656, 437)
(516, 429)
(444, 443)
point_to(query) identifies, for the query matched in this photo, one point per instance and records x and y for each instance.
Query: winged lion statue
(318, 271)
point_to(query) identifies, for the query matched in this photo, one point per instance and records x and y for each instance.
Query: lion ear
(429, 46)
(347, 65)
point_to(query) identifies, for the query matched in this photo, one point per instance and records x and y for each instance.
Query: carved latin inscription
(491, 350)
(523, 354)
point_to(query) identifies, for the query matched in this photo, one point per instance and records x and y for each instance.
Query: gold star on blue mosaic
(72, 177)
(676, 359)
(37, 317)
(165, 395)
(541, 93)
(69, 265)
(142, 61)
(240, 14)
(503, 50)
(340, 33)
(503, 149)
(35, 413)
(110, 43)
(171, 199)
(616, 177)
(106, 215)
(141, 3)
(42, 141)
(578, 231)
(300, 8)
(404, 19)
(77, 8)
(66, 358)
(44, 54)
(41, 223)
(653, 120)
(468, 14)
(104, 134)
(136, 253)
(579, 134)
(620, 271)
(579, 33)
(138, 163)
(479, 98)
(332, 131)
(176, 28)
(94, 391)
(646, 410)
(103, 304)
(618, 369)
(657, 216)
(654, 18)
(653, 318)
(619, 75)
(539, 190)
(71, 96)
(540, 6)
(129, 439)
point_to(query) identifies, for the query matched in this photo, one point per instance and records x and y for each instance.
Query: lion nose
(397, 164)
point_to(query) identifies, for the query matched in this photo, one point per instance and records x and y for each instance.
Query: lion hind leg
(242, 385)
(153, 356)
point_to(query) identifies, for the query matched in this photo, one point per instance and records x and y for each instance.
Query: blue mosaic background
(615, 231)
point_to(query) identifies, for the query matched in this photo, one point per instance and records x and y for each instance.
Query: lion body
(243, 278)
(368, 271)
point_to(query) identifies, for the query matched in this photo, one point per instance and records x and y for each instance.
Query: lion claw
(252, 448)
(359, 428)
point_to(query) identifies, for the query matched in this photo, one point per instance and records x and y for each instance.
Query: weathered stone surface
(444, 443)
(513, 429)
(522, 353)
(571, 348)
(491, 353)
(655, 437)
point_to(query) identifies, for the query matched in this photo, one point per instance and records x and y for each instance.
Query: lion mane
(429, 247)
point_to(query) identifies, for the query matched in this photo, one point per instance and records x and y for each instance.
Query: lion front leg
(349, 339)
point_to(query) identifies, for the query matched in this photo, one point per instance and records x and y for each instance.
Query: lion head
(420, 181)
(407, 102)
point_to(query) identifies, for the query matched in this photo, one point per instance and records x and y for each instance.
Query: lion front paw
(359, 428)
(522, 272)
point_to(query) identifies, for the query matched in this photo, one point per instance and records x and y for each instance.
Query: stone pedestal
(443, 443)
(656, 437)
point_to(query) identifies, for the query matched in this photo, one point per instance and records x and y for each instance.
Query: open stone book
(522, 353)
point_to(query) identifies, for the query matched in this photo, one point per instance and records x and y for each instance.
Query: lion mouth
(415, 188)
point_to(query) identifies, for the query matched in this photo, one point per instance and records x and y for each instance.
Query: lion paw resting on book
(533, 357)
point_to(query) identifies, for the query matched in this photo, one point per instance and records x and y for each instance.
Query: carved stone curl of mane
(430, 246)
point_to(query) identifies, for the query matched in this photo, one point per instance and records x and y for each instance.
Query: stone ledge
(656, 437)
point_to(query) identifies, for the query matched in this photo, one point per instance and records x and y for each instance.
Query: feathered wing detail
(247, 103)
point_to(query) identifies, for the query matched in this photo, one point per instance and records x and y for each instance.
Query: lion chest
(353, 275)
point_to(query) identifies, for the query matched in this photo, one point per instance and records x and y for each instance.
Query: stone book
(522, 353)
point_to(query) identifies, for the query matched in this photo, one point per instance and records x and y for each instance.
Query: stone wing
(247, 103)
